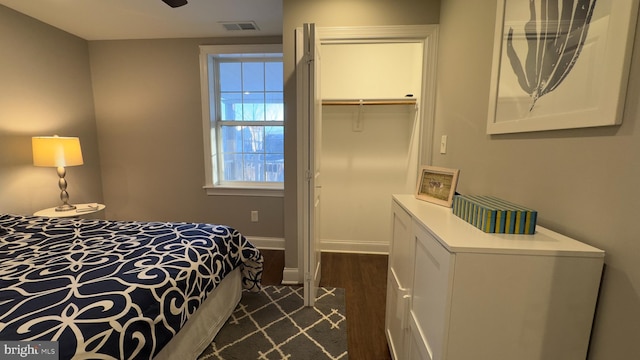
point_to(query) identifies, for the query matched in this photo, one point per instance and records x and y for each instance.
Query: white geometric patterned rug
(274, 324)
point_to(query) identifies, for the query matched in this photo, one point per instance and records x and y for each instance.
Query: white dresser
(457, 293)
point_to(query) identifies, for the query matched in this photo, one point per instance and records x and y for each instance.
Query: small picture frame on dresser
(437, 185)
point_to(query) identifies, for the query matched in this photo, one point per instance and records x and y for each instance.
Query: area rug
(274, 324)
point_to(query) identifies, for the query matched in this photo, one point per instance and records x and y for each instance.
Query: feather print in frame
(560, 64)
(554, 42)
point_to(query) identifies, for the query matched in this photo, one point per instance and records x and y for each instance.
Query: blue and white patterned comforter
(112, 289)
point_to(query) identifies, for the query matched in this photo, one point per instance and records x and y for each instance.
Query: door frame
(425, 34)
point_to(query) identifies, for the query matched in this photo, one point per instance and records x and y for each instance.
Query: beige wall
(45, 89)
(149, 116)
(331, 13)
(583, 182)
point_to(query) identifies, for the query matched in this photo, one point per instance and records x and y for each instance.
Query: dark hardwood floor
(364, 278)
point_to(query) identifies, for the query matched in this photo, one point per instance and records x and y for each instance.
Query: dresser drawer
(430, 301)
(417, 343)
(401, 252)
(397, 313)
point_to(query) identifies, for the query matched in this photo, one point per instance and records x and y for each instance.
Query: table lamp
(59, 152)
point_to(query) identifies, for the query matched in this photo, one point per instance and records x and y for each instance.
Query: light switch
(443, 144)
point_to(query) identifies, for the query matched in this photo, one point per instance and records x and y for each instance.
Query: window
(243, 117)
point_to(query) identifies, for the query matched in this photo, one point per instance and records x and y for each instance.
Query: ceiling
(153, 19)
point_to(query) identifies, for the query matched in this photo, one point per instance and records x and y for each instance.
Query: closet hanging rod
(370, 102)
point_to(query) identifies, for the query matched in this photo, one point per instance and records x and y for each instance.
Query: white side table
(81, 209)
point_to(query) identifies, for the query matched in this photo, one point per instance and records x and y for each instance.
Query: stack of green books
(493, 215)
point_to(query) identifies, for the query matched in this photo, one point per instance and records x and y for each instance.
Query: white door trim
(426, 34)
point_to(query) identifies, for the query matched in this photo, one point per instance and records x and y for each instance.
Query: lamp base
(64, 196)
(65, 207)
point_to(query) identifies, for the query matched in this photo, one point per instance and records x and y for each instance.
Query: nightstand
(81, 209)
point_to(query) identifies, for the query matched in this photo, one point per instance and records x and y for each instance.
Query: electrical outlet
(254, 216)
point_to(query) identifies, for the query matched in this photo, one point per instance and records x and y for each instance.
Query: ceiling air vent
(240, 26)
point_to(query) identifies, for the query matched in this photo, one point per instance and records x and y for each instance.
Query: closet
(370, 139)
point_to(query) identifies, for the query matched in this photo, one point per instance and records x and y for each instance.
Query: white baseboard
(344, 246)
(353, 246)
(267, 243)
(291, 276)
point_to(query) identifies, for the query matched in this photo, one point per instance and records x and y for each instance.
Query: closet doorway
(370, 140)
(374, 136)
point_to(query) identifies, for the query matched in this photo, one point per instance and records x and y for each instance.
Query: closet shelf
(369, 102)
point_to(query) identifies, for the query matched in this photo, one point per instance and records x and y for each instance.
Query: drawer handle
(400, 304)
(404, 319)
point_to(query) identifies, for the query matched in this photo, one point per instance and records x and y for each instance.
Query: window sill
(244, 191)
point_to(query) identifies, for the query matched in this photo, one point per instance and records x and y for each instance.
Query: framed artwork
(437, 185)
(560, 64)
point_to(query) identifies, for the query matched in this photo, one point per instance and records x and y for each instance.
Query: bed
(121, 290)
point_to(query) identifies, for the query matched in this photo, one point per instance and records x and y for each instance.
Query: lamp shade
(56, 151)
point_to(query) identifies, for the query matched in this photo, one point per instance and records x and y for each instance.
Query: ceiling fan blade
(175, 3)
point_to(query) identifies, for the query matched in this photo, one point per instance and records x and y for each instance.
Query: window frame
(212, 185)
